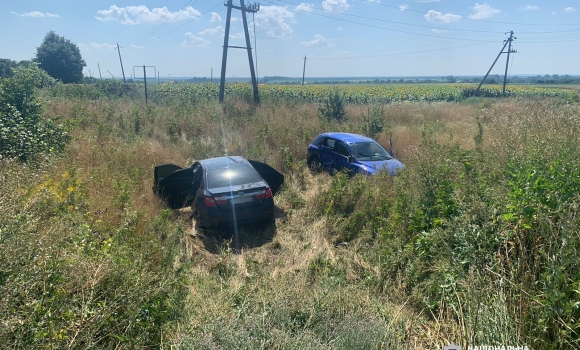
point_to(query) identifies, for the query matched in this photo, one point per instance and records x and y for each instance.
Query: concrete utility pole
(145, 78)
(211, 76)
(506, 42)
(99, 65)
(507, 62)
(304, 71)
(122, 70)
(252, 9)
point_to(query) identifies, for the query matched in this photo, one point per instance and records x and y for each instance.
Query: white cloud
(215, 18)
(375, 1)
(554, 13)
(403, 7)
(130, 15)
(273, 22)
(97, 46)
(483, 11)
(529, 8)
(569, 9)
(424, 1)
(35, 14)
(339, 29)
(438, 17)
(438, 31)
(304, 7)
(212, 31)
(319, 41)
(192, 40)
(335, 5)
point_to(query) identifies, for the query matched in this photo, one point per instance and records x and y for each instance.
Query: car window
(329, 143)
(369, 151)
(225, 177)
(319, 141)
(341, 148)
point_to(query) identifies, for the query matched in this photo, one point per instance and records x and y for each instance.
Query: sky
(339, 38)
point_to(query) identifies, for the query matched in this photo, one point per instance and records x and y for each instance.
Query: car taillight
(210, 202)
(265, 194)
(214, 201)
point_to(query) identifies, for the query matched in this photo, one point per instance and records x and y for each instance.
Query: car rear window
(224, 177)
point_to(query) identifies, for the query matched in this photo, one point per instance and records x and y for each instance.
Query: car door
(341, 155)
(326, 154)
(176, 187)
(269, 174)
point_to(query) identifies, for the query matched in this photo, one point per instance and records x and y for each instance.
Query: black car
(221, 191)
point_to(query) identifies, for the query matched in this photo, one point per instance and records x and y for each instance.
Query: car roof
(224, 162)
(347, 137)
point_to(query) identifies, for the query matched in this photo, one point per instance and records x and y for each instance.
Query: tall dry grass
(123, 272)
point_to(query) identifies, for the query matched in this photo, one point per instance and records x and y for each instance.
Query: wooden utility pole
(122, 70)
(252, 9)
(99, 65)
(506, 42)
(304, 71)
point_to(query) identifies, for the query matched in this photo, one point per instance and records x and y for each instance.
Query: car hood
(392, 166)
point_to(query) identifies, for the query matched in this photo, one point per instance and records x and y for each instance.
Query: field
(476, 242)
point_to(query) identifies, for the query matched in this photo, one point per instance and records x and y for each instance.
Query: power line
(394, 30)
(165, 23)
(475, 20)
(181, 26)
(387, 21)
(400, 53)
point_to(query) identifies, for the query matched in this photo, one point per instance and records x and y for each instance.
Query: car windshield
(225, 177)
(369, 151)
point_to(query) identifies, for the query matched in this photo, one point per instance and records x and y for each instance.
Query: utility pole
(507, 62)
(252, 9)
(506, 42)
(211, 76)
(304, 71)
(122, 70)
(145, 78)
(99, 65)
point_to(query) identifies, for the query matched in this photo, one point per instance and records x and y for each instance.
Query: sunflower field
(360, 94)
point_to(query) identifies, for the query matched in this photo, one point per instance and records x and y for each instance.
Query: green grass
(476, 242)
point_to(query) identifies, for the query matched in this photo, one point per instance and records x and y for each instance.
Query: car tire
(314, 165)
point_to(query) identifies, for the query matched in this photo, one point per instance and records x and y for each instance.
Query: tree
(60, 58)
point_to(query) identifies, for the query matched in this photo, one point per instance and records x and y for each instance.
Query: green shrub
(24, 131)
(332, 108)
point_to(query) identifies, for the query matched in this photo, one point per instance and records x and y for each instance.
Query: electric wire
(476, 20)
(162, 25)
(392, 30)
(181, 26)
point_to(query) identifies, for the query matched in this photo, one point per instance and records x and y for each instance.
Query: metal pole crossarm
(239, 47)
(248, 8)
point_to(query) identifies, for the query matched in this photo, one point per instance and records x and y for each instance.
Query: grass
(475, 243)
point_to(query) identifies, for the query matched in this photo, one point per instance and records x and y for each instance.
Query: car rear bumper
(215, 217)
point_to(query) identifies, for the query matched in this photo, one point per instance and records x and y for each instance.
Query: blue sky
(339, 37)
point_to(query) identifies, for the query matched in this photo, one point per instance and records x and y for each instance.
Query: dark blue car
(355, 154)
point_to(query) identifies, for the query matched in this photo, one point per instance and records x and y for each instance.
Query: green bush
(332, 108)
(24, 131)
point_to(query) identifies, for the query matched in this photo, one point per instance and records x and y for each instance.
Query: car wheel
(314, 165)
